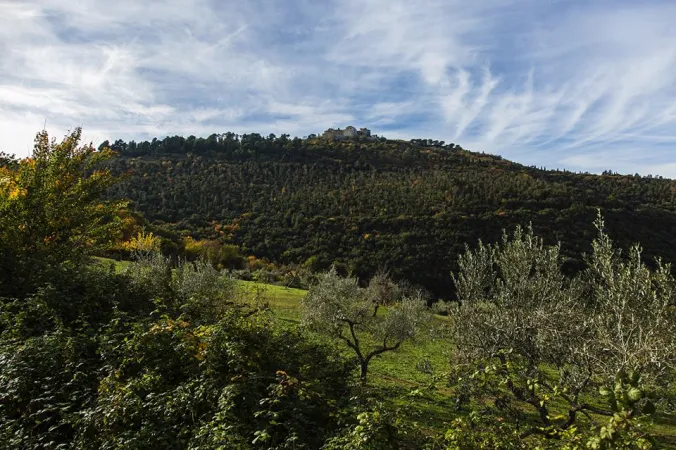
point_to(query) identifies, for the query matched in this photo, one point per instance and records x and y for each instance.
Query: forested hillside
(407, 207)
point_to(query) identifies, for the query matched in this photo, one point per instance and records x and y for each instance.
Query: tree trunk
(364, 369)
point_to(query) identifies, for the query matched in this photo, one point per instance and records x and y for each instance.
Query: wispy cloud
(586, 85)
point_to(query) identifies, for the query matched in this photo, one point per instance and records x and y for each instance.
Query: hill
(408, 207)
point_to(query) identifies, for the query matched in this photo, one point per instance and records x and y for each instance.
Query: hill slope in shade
(408, 207)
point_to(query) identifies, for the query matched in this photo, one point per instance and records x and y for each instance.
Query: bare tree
(338, 307)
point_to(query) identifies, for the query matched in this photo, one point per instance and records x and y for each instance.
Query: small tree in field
(384, 291)
(338, 307)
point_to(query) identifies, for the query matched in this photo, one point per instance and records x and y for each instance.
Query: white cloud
(583, 85)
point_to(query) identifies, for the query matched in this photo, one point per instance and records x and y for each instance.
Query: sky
(585, 85)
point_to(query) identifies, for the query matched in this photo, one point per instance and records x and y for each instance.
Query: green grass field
(394, 377)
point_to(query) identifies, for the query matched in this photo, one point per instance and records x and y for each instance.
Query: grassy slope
(394, 377)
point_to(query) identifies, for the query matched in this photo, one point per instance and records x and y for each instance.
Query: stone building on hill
(349, 132)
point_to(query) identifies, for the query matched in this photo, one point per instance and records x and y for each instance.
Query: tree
(6, 159)
(540, 335)
(383, 291)
(51, 210)
(633, 309)
(373, 204)
(338, 307)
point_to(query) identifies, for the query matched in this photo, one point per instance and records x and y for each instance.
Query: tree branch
(382, 349)
(595, 410)
(353, 345)
(531, 399)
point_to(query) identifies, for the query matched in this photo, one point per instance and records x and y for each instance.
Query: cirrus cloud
(585, 85)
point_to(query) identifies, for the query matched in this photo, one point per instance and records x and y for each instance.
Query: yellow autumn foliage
(9, 189)
(142, 242)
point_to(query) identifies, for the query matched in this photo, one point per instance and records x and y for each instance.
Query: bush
(51, 211)
(45, 384)
(236, 384)
(374, 426)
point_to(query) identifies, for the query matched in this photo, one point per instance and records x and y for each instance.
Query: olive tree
(383, 291)
(339, 307)
(633, 311)
(614, 324)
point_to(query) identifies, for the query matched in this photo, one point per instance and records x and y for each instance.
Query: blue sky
(583, 85)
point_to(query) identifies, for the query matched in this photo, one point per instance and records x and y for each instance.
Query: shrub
(236, 384)
(51, 211)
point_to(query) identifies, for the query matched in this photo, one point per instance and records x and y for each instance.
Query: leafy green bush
(236, 384)
(97, 360)
(51, 211)
(374, 426)
(46, 382)
(79, 297)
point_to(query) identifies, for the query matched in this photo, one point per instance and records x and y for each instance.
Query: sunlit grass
(119, 265)
(284, 302)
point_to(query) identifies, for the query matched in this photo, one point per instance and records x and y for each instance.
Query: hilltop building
(349, 132)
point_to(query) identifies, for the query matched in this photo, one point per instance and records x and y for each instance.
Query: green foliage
(632, 409)
(205, 293)
(494, 396)
(136, 233)
(164, 354)
(481, 430)
(80, 297)
(155, 356)
(119, 377)
(235, 384)
(221, 255)
(51, 211)
(195, 290)
(377, 427)
(633, 311)
(45, 383)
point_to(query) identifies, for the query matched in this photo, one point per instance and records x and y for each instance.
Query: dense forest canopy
(406, 207)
